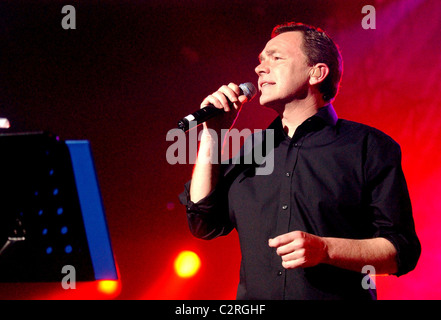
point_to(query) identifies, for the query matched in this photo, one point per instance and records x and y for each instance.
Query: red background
(130, 70)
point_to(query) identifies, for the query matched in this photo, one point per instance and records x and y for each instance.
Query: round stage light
(187, 264)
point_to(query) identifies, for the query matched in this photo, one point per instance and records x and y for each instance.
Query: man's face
(283, 70)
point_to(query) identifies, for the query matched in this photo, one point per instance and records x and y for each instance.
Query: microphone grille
(248, 89)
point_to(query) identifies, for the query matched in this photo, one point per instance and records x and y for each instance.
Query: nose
(261, 68)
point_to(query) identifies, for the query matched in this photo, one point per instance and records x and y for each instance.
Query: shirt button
(296, 145)
(279, 273)
(287, 174)
(284, 207)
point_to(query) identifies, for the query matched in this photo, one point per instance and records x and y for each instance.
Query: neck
(296, 112)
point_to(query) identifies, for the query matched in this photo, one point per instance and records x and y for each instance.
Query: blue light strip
(92, 210)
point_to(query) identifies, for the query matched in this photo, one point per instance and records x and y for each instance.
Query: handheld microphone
(210, 111)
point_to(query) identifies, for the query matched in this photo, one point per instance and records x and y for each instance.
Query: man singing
(336, 200)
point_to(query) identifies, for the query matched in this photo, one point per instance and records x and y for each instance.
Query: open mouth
(266, 84)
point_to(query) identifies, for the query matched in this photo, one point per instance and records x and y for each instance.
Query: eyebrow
(268, 53)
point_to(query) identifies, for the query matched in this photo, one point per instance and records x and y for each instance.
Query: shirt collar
(326, 114)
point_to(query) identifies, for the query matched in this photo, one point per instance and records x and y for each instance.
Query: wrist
(326, 250)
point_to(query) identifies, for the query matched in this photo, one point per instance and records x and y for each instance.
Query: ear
(318, 73)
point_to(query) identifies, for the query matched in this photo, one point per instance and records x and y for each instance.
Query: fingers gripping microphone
(210, 111)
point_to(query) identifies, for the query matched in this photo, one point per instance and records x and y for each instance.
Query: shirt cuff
(203, 206)
(407, 252)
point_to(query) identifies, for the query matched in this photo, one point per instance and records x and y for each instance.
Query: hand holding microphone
(220, 102)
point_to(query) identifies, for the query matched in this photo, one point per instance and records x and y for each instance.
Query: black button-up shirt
(333, 178)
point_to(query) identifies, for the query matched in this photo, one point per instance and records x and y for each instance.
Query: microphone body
(210, 111)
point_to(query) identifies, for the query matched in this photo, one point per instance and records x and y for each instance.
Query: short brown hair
(318, 48)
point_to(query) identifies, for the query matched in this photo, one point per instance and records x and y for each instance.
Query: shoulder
(373, 136)
(380, 150)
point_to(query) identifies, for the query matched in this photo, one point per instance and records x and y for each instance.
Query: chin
(271, 104)
(266, 101)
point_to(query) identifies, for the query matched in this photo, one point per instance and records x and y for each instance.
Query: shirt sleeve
(390, 201)
(209, 217)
